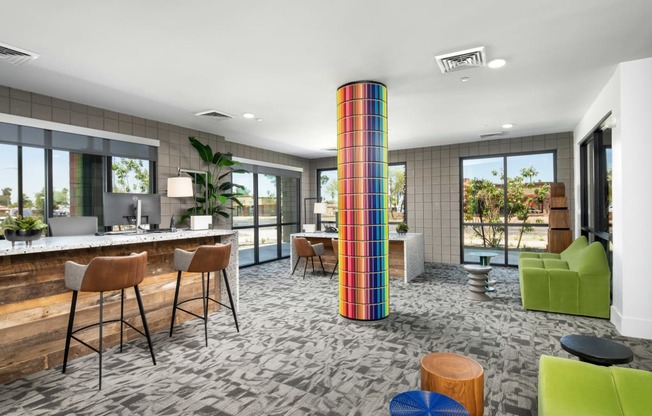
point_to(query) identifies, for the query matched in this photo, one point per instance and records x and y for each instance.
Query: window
(48, 173)
(269, 214)
(8, 181)
(596, 187)
(130, 175)
(505, 206)
(396, 180)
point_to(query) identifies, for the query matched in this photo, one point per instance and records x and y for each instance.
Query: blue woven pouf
(424, 403)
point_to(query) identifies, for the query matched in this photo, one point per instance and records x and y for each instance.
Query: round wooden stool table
(455, 376)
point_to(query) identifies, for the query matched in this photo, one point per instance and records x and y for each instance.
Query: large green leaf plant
(222, 193)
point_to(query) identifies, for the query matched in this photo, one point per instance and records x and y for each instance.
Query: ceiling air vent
(15, 55)
(457, 61)
(496, 133)
(214, 114)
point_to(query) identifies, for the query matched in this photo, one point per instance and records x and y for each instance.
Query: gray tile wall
(433, 173)
(433, 177)
(174, 151)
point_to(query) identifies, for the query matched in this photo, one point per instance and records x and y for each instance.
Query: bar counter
(35, 304)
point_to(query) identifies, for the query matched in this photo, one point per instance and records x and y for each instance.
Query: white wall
(628, 95)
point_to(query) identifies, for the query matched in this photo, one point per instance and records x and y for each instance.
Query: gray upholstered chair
(309, 251)
(104, 274)
(65, 226)
(206, 259)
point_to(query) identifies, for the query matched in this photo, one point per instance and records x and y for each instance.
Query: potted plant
(402, 228)
(20, 228)
(222, 193)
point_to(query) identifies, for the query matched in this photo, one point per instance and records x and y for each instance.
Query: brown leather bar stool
(336, 254)
(203, 260)
(309, 251)
(104, 274)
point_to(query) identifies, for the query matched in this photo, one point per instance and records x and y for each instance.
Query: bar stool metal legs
(205, 289)
(70, 333)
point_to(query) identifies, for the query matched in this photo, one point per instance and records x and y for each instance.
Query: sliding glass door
(596, 188)
(269, 215)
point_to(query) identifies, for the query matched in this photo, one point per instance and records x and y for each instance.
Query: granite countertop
(46, 244)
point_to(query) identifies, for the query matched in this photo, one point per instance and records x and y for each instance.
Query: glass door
(269, 214)
(596, 187)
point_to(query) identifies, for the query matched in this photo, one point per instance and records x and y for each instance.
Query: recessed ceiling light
(248, 115)
(464, 79)
(496, 63)
(259, 119)
(508, 126)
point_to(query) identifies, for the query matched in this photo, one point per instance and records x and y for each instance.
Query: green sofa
(570, 387)
(577, 281)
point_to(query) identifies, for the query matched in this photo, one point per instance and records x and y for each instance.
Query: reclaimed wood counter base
(35, 304)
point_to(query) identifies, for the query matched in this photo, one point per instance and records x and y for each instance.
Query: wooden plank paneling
(34, 303)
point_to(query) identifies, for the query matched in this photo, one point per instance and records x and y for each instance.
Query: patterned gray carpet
(296, 356)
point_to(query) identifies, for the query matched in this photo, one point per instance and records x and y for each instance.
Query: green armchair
(570, 387)
(576, 282)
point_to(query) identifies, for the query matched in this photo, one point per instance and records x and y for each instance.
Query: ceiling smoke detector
(214, 114)
(14, 55)
(496, 133)
(457, 61)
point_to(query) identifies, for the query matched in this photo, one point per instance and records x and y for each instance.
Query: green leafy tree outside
(5, 198)
(126, 171)
(485, 204)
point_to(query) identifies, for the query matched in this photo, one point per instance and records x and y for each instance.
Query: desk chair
(309, 251)
(65, 226)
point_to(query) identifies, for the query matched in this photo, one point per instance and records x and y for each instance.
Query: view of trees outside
(265, 213)
(510, 209)
(33, 171)
(130, 175)
(396, 193)
(61, 183)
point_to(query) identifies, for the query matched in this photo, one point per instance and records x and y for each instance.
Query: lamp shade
(180, 187)
(321, 208)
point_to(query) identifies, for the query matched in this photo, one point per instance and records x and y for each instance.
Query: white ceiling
(283, 61)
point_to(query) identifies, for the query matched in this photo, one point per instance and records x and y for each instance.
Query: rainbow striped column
(362, 210)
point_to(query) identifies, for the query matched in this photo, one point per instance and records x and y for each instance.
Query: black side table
(595, 350)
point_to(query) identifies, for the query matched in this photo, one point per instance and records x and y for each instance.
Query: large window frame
(473, 258)
(402, 204)
(595, 204)
(26, 137)
(282, 247)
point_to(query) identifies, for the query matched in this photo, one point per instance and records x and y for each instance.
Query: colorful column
(362, 210)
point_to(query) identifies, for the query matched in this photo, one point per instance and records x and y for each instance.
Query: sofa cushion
(564, 289)
(555, 264)
(633, 388)
(573, 388)
(530, 263)
(535, 293)
(550, 256)
(528, 255)
(571, 252)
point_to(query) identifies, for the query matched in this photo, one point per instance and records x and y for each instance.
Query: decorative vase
(22, 235)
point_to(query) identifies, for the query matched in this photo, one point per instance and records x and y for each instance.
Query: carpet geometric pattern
(294, 355)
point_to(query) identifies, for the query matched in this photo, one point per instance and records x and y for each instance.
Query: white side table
(478, 275)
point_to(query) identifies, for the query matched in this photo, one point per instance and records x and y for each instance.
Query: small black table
(595, 350)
